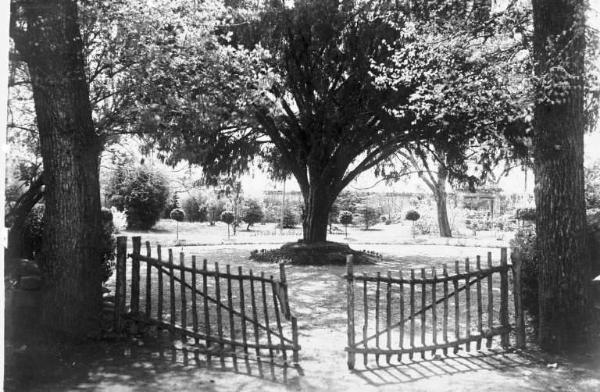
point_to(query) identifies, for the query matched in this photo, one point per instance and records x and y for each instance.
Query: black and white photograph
(300, 195)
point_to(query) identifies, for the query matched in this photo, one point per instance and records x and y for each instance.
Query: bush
(177, 214)
(526, 214)
(142, 192)
(119, 219)
(34, 231)
(172, 203)
(524, 242)
(369, 216)
(289, 219)
(109, 244)
(227, 217)
(412, 215)
(194, 207)
(346, 218)
(253, 213)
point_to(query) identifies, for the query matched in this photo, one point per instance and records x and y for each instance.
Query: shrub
(289, 219)
(368, 216)
(177, 214)
(119, 219)
(194, 207)
(33, 231)
(524, 242)
(142, 192)
(214, 209)
(346, 219)
(253, 213)
(109, 244)
(412, 215)
(526, 214)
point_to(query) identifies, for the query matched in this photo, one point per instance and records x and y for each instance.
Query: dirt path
(317, 296)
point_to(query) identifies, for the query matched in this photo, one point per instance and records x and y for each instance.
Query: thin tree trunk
(440, 201)
(564, 278)
(16, 245)
(71, 256)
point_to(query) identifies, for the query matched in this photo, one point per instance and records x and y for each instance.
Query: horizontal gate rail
(409, 315)
(228, 311)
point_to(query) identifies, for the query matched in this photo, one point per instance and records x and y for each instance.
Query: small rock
(552, 365)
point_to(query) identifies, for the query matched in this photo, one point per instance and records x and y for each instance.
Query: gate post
(519, 316)
(504, 298)
(135, 276)
(350, 303)
(121, 280)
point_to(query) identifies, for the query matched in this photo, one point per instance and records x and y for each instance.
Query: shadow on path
(406, 372)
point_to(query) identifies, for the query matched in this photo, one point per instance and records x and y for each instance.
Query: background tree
(592, 185)
(47, 36)
(559, 44)
(178, 216)
(229, 218)
(346, 219)
(412, 216)
(253, 213)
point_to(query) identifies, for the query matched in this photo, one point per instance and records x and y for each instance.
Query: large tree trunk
(564, 278)
(71, 256)
(317, 205)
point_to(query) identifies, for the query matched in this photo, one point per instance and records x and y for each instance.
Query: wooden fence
(434, 311)
(222, 313)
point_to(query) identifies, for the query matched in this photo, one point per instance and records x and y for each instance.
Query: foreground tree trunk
(317, 206)
(51, 45)
(16, 235)
(564, 278)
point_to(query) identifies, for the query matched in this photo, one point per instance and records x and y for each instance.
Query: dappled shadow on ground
(136, 367)
(406, 372)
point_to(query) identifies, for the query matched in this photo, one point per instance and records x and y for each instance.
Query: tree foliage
(253, 212)
(140, 190)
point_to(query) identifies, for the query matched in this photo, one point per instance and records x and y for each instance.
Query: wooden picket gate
(408, 315)
(219, 312)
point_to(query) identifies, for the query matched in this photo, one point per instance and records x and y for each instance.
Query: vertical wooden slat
(456, 307)
(207, 328)
(219, 309)
(182, 294)
(520, 320)
(121, 281)
(278, 317)
(172, 292)
(434, 308)
(468, 300)
(377, 313)
(366, 318)
(254, 313)
(445, 327)
(388, 314)
(285, 305)
(295, 339)
(230, 304)
(479, 304)
(195, 299)
(401, 337)
(243, 311)
(266, 310)
(159, 305)
(412, 313)
(504, 298)
(490, 304)
(148, 282)
(423, 313)
(350, 308)
(135, 275)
